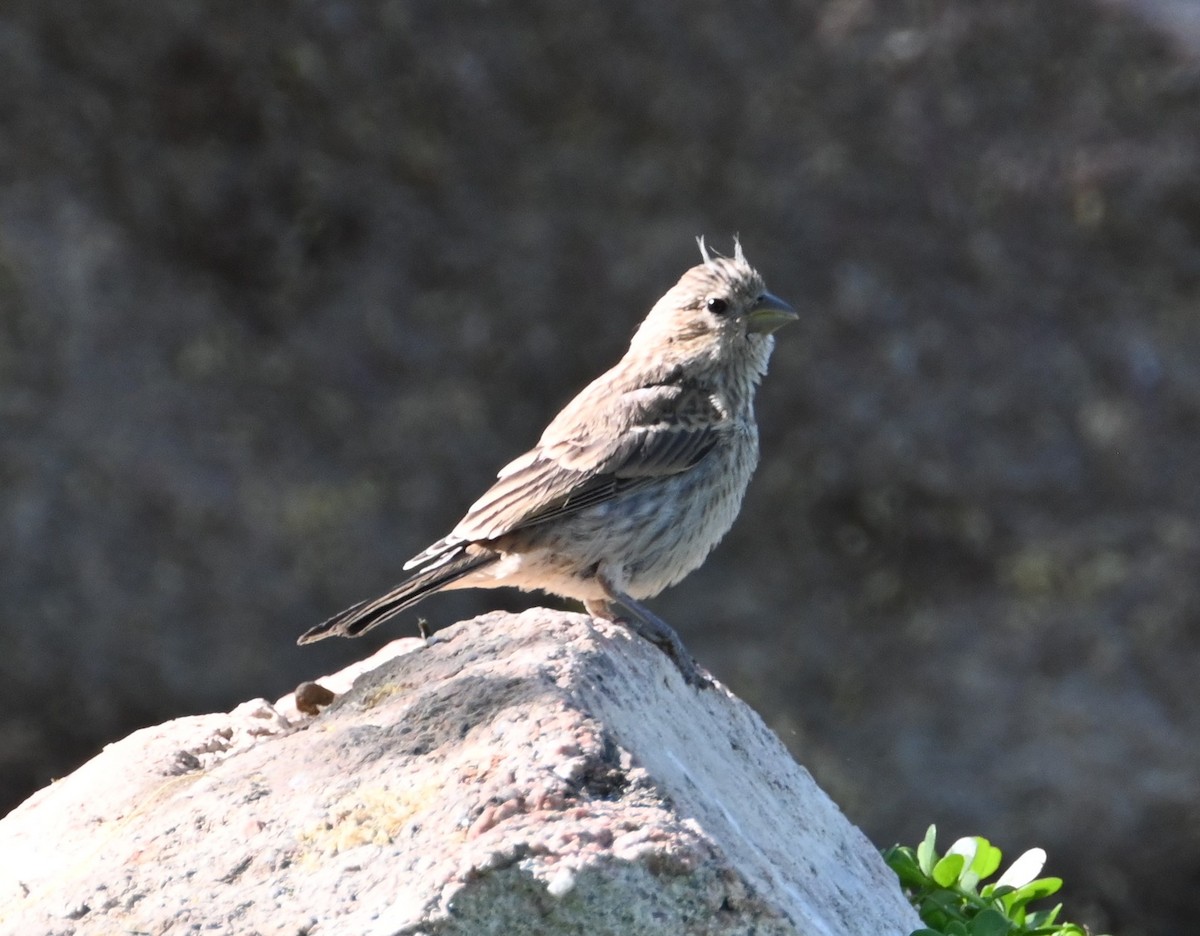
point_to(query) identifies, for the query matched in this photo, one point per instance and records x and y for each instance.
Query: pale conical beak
(769, 313)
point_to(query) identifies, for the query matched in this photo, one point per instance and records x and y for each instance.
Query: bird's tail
(360, 618)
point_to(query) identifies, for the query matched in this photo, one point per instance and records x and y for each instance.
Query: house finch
(634, 482)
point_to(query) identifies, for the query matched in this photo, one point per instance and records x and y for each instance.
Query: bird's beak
(769, 313)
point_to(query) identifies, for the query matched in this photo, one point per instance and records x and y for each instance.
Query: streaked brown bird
(634, 482)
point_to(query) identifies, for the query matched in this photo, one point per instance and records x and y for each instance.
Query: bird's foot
(649, 626)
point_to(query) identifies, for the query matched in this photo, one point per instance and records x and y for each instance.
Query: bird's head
(719, 311)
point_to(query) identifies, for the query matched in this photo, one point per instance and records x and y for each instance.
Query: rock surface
(540, 773)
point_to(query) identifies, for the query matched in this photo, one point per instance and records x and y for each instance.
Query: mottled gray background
(283, 283)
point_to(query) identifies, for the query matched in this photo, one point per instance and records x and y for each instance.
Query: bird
(634, 482)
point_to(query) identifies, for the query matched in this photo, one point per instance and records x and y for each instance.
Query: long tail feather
(360, 618)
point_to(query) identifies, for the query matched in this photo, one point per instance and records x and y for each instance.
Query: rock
(538, 773)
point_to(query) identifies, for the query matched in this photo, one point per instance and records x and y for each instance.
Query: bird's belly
(644, 540)
(674, 534)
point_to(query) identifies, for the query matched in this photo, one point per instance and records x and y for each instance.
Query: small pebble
(310, 696)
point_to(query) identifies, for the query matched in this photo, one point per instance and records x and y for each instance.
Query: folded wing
(664, 429)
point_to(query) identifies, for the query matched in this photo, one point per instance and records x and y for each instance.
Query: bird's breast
(665, 530)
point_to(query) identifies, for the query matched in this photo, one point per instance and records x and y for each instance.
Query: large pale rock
(540, 773)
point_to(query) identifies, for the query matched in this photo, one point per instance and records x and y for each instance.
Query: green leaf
(926, 856)
(1016, 901)
(903, 861)
(1042, 887)
(987, 859)
(990, 922)
(1014, 907)
(946, 871)
(939, 908)
(1043, 917)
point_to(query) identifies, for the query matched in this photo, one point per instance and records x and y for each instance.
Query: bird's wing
(597, 448)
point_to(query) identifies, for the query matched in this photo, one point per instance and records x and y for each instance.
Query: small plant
(947, 893)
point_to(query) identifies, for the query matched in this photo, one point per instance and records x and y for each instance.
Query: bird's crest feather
(709, 256)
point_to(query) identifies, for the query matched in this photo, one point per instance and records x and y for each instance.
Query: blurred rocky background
(282, 284)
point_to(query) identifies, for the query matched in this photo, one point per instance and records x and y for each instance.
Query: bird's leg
(648, 625)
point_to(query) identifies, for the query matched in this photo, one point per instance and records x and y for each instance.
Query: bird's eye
(716, 305)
